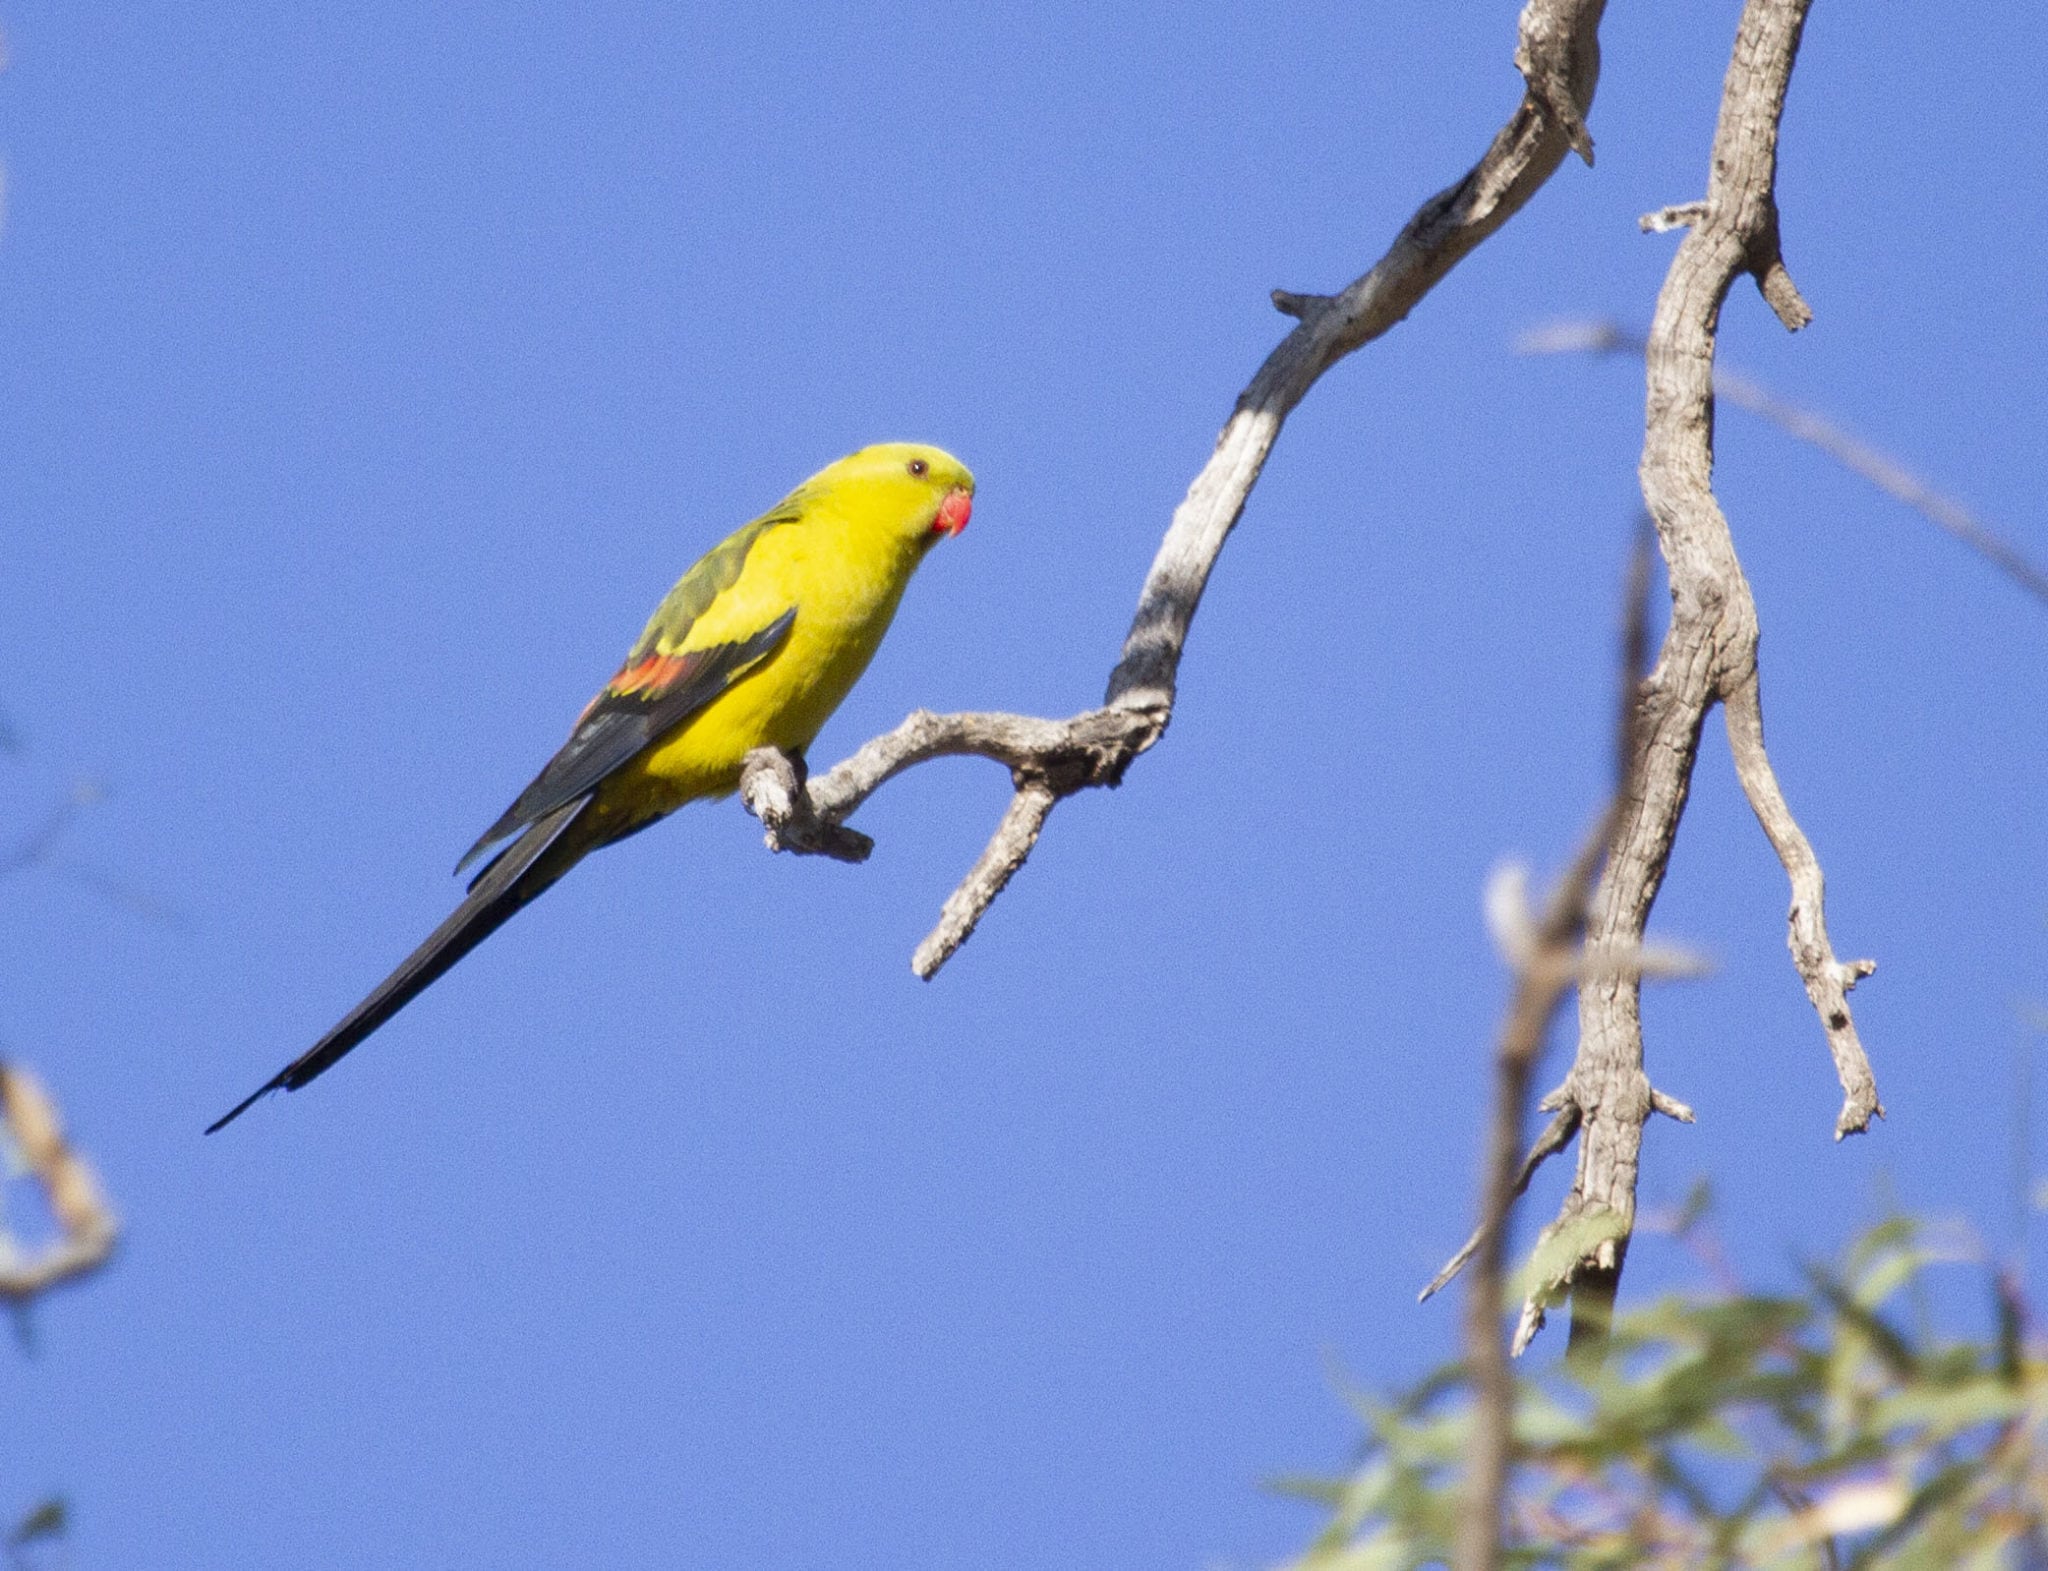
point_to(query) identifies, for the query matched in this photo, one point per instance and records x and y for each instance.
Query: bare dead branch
(1605, 337)
(1827, 979)
(772, 789)
(1682, 215)
(1709, 656)
(1669, 1106)
(1004, 854)
(87, 1227)
(1558, 54)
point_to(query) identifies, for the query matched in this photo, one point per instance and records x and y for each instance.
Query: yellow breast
(845, 579)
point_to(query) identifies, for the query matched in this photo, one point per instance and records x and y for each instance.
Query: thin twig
(1556, 1136)
(1558, 54)
(1606, 337)
(35, 848)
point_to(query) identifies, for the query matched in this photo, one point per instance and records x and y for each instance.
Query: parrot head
(925, 491)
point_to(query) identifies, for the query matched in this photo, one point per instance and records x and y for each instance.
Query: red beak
(954, 512)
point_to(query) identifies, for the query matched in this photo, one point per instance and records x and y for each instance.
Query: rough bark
(1709, 656)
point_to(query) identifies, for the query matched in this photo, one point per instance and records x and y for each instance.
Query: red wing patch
(648, 698)
(646, 679)
(652, 674)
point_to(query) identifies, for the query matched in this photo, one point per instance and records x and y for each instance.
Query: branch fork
(1558, 55)
(1047, 759)
(1709, 657)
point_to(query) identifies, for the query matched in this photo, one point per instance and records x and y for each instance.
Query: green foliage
(1824, 1432)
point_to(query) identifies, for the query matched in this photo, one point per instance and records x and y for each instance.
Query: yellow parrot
(754, 647)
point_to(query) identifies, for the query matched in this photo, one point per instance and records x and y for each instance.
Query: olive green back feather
(716, 571)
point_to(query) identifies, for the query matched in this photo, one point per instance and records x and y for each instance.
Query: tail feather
(516, 876)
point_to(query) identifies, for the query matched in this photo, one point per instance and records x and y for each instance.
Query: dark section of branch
(1680, 215)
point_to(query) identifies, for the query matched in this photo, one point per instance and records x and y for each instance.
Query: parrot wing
(662, 683)
(652, 695)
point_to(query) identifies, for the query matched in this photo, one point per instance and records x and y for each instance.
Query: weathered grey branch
(86, 1223)
(999, 860)
(1681, 215)
(772, 789)
(1602, 337)
(1557, 1136)
(1827, 979)
(1558, 54)
(1709, 656)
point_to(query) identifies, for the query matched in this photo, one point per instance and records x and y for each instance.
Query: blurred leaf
(1951, 1411)
(1698, 1204)
(1888, 1344)
(1733, 1430)
(51, 1519)
(1561, 1248)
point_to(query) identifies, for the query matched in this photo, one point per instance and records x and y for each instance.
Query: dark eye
(919, 468)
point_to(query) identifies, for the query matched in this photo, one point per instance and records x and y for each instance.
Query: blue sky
(366, 373)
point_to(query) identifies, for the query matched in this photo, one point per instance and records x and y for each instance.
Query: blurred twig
(1604, 336)
(48, 1520)
(38, 849)
(34, 848)
(87, 1226)
(1548, 958)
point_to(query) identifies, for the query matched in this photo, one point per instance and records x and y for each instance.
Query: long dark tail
(548, 849)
